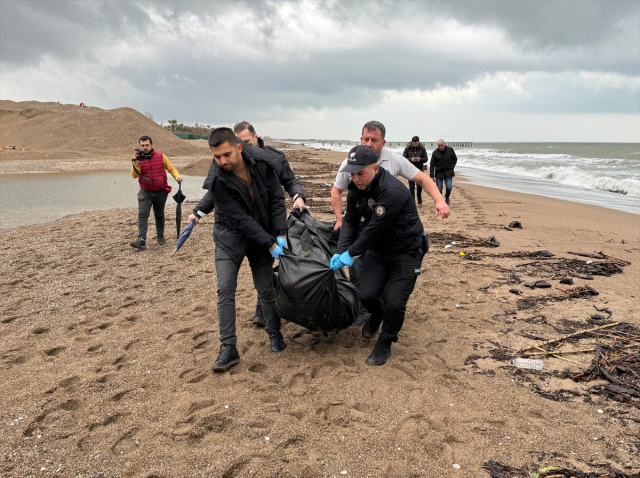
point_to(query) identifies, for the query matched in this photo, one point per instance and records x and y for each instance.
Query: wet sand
(106, 354)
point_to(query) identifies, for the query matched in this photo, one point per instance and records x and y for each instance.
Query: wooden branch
(541, 344)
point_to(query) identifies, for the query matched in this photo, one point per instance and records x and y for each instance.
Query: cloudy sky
(492, 70)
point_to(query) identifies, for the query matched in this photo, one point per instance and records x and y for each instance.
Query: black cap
(414, 139)
(359, 157)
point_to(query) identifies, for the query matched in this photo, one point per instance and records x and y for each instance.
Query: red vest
(153, 169)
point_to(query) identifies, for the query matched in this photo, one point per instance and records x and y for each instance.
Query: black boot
(370, 327)
(277, 342)
(258, 317)
(381, 352)
(162, 241)
(419, 200)
(139, 243)
(227, 358)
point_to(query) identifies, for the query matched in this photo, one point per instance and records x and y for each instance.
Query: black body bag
(308, 292)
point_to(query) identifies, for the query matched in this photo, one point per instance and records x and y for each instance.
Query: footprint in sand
(54, 351)
(298, 384)
(193, 376)
(258, 368)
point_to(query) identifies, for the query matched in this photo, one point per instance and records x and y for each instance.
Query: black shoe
(227, 358)
(139, 243)
(446, 200)
(381, 352)
(370, 328)
(277, 342)
(161, 241)
(258, 317)
(362, 317)
(419, 200)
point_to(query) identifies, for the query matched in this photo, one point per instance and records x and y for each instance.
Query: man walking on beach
(393, 238)
(247, 133)
(287, 178)
(417, 154)
(373, 134)
(443, 162)
(250, 221)
(150, 167)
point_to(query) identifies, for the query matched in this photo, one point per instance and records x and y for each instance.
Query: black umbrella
(179, 197)
(184, 236)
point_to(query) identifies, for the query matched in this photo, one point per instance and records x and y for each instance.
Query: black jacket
(235, 229)
(443, 163)
(283, 170)
(391, 222)
(416, 152)
(279, 165)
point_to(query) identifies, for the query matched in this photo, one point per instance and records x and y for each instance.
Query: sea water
(603, 174)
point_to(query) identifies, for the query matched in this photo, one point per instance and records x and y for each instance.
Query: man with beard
(250, 221)
(149, 168)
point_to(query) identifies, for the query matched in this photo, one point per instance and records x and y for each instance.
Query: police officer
(394, 240)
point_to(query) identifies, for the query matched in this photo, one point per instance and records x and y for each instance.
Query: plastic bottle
(531, 364)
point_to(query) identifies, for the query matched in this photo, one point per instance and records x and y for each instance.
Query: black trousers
(147, 200)
(395, 274)
(412, 188)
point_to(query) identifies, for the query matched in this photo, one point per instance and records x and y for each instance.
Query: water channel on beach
(43, 197)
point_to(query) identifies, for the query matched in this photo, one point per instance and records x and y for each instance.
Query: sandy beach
(106, 352)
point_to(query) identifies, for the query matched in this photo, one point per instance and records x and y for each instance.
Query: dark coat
(235, 228)
(416, 152)
(391, 222)
(283, 170)
(443, 163)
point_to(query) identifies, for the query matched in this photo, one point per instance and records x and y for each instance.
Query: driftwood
(575, 334)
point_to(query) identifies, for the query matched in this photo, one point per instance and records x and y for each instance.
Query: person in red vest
(150, 167)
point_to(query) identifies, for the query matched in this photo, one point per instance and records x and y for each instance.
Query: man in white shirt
(373, 134)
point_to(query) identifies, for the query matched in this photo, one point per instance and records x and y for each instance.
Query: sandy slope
(106, 353)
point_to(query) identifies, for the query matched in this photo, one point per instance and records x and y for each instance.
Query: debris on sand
(515, 224)
(576, 293)
(500, 470)
(460, 240)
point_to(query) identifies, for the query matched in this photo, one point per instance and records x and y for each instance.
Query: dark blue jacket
(391, 222)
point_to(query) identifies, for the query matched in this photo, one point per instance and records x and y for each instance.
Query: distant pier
(390, 144)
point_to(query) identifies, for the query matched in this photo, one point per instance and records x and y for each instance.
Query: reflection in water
(37, 198)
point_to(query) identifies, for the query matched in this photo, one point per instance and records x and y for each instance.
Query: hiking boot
(381, 352)
(139, 243)
(370, 328)
(227, 358)
(161, 241)
(277, 342)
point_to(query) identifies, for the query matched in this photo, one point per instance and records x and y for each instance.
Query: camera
(142, 156)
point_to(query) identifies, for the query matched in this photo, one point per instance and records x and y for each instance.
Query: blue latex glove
(282, 242)
(276, 252)
(334, 263)
(345, 259)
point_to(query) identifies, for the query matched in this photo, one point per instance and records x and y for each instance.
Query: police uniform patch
(380, 210)
(371, 204)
